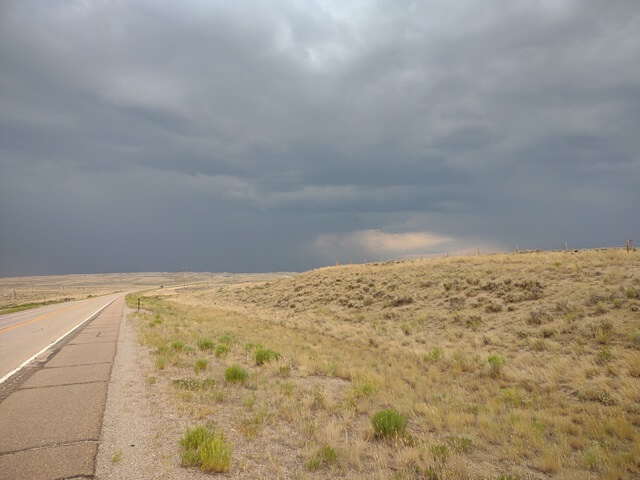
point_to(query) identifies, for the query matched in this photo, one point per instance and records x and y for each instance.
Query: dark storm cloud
(241, 136)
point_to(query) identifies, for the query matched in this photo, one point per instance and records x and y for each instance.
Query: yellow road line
(42, 317)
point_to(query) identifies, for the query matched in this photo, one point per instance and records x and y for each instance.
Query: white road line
(26, 362)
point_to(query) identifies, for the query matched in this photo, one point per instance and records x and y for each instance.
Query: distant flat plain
(38, 290)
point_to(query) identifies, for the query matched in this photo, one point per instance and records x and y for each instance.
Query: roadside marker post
(138, 304)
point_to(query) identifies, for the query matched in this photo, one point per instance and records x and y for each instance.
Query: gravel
(138, 423)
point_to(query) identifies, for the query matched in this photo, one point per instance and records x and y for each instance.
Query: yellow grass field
(507, 366)
(21, 292)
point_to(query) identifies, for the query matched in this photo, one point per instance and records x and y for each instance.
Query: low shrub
(177, 345)
(389, 423)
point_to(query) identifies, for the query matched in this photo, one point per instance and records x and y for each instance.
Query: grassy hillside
(505, 366)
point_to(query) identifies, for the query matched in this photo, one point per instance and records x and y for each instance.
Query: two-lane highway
(25, 334)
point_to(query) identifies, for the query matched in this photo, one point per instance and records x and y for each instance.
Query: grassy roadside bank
(506, 366)
(30, 305)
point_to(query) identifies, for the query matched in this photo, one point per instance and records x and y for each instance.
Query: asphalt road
(24, 334)
(51, 411)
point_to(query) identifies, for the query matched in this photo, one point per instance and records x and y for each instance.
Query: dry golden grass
(559, 399)
(15, 291)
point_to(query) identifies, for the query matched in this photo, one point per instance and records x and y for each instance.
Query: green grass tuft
(205, 344)
(322, 457)
(389, 423)
(235, 373)
(201, 364)
(434, 355)
(496, 362)
(264, 355)
(215, 455)
(222, 350)
(206, 449)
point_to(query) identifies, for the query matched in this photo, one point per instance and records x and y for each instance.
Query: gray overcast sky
(284, 135)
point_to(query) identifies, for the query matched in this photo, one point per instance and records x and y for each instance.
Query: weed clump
(399, 302)
(493, 308)
(193, 383)
(434, 355)
(439, 452)
(496, 362)
(250, 425)
(215, 456)
(322, 457)
(161, 362)
(265, 355)
(590, 460)
(206, 449)
(538, 317)
(177, 345)
(200, 365)
(235, 373)
(227, 339)
(205, 344)
(249, 346)
(222, 350)
(389, 423)
(602, 331)
(604, 355)
(117, 456)
(460, 444)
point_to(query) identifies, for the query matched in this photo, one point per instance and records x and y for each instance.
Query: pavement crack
(79, 365)
(50, 445)
(63, 385)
